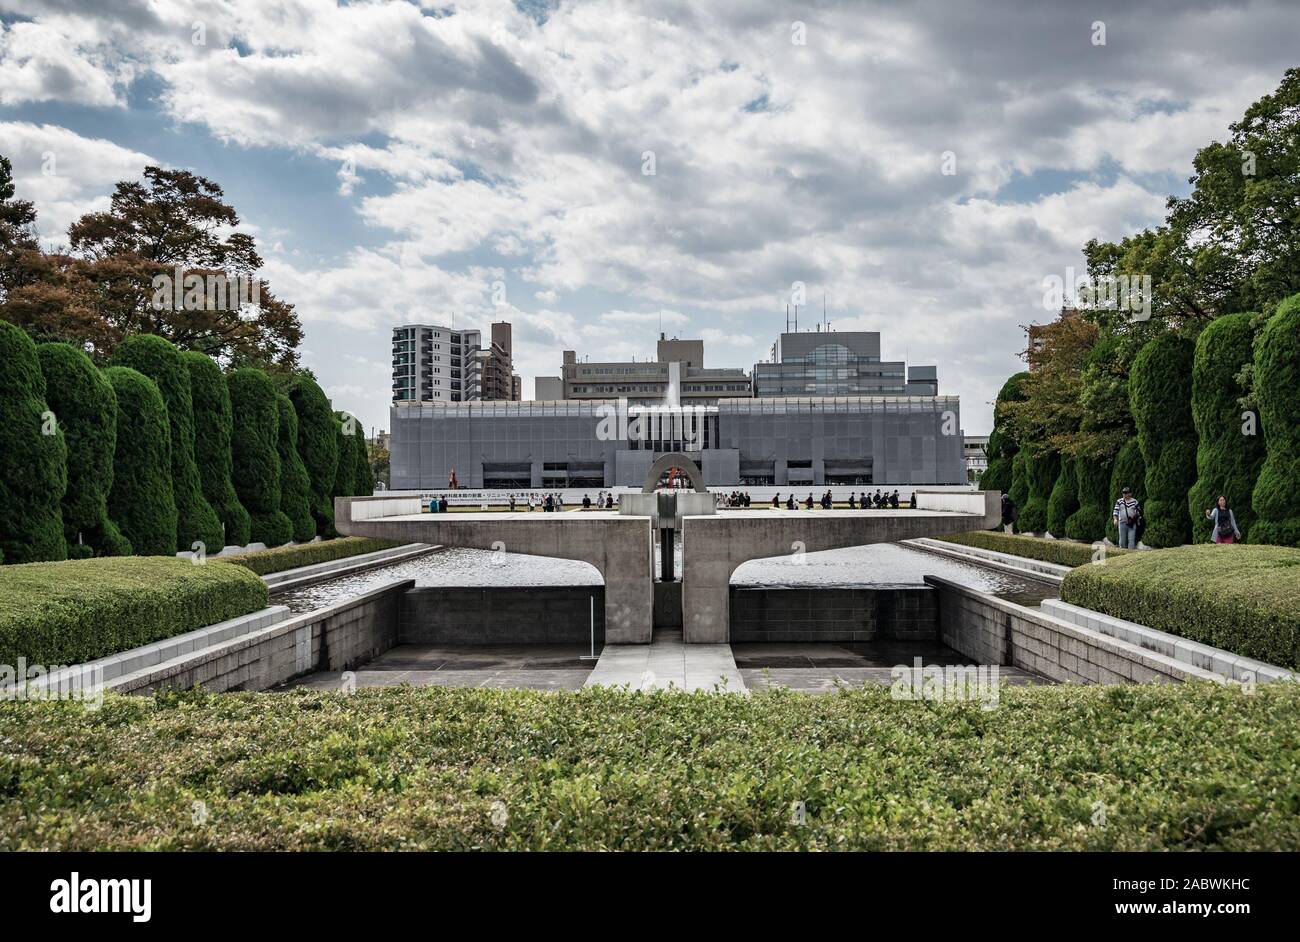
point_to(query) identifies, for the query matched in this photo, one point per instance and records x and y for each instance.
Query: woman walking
(1223, 522)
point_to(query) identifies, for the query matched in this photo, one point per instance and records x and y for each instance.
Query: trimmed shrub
(255, 451)
(33, 457)
(86, 408)
(1002, 446)
(1020, 479)
(1095, 503)
(1064, 499)
(1244, 599)
(363, 476)
(1277, 388)
(1129, 471)
(76, 611)
(140, 501)
(1227, 461)
(318, 446)
(346, 469)
(1160, 396)
(1061, 552)
(1041, 472)
(212, 427)
(196, 521)
(265, 562)
(1177, 766)
(295, 484)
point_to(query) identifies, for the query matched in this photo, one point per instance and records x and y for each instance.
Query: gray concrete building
(798, 442)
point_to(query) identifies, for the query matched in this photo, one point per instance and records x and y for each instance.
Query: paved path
(667, 662)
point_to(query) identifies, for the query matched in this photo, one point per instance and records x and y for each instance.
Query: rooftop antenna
(787, 318)
(824, 321)
(796, 318)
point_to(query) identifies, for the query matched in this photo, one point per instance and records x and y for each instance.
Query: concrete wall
(829, 613)
(340, 637)
(990, 630)
(502, 615)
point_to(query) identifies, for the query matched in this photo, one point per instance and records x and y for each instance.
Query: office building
(838, 363)
(678, 369)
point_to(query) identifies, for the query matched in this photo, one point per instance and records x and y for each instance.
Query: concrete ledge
(319, 572)
(995, 631)
(1004, 562)
(335, 638)
(110, 670)
(1203, 656)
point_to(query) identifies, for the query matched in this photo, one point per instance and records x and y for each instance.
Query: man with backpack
(1127, 516)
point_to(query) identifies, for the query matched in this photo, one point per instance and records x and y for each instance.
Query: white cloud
(65, 174)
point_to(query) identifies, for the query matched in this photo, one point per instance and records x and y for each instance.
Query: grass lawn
(1086, 768)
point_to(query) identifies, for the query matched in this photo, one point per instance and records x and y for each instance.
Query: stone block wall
(502, 615)
(832, 614)
(989, 630)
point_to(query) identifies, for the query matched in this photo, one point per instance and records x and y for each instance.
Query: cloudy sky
(395, 159)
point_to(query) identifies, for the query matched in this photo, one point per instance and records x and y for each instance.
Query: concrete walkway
(667, 662)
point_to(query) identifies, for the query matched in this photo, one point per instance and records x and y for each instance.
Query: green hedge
(346, 469)
(295, 484)
(79, 610)
(196, 521)
(318, 446)
(1227, 461)
(1020, 478)
(33, 464)
(1002, 446)
(281, 558)
(255, 452)
(1277, 388)
(212, 431)
(1160, 397)
(1129, 471)
(86, 407)
(1245, 599)
(1176, 767)
(1064, 499)
(1041, 472)
(1095, 502)
(1061, 552)
(140, 501)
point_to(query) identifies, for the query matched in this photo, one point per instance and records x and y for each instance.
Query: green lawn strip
(265, 562)
(1061, 552)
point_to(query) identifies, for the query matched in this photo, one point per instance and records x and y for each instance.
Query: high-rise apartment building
(432, 363)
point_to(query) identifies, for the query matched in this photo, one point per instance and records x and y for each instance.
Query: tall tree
(176, 223)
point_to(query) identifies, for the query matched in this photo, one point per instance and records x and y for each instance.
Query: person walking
(1126, 515)
(512, 503)
(586, 502)
(1223, 521)
(1010, 513)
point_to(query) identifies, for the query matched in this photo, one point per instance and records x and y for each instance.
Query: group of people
(1128, 519)
(603, 501)
(547, 503)
(734, 499)
(866, 501)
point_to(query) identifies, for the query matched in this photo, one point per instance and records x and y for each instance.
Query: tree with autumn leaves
(106, 287)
